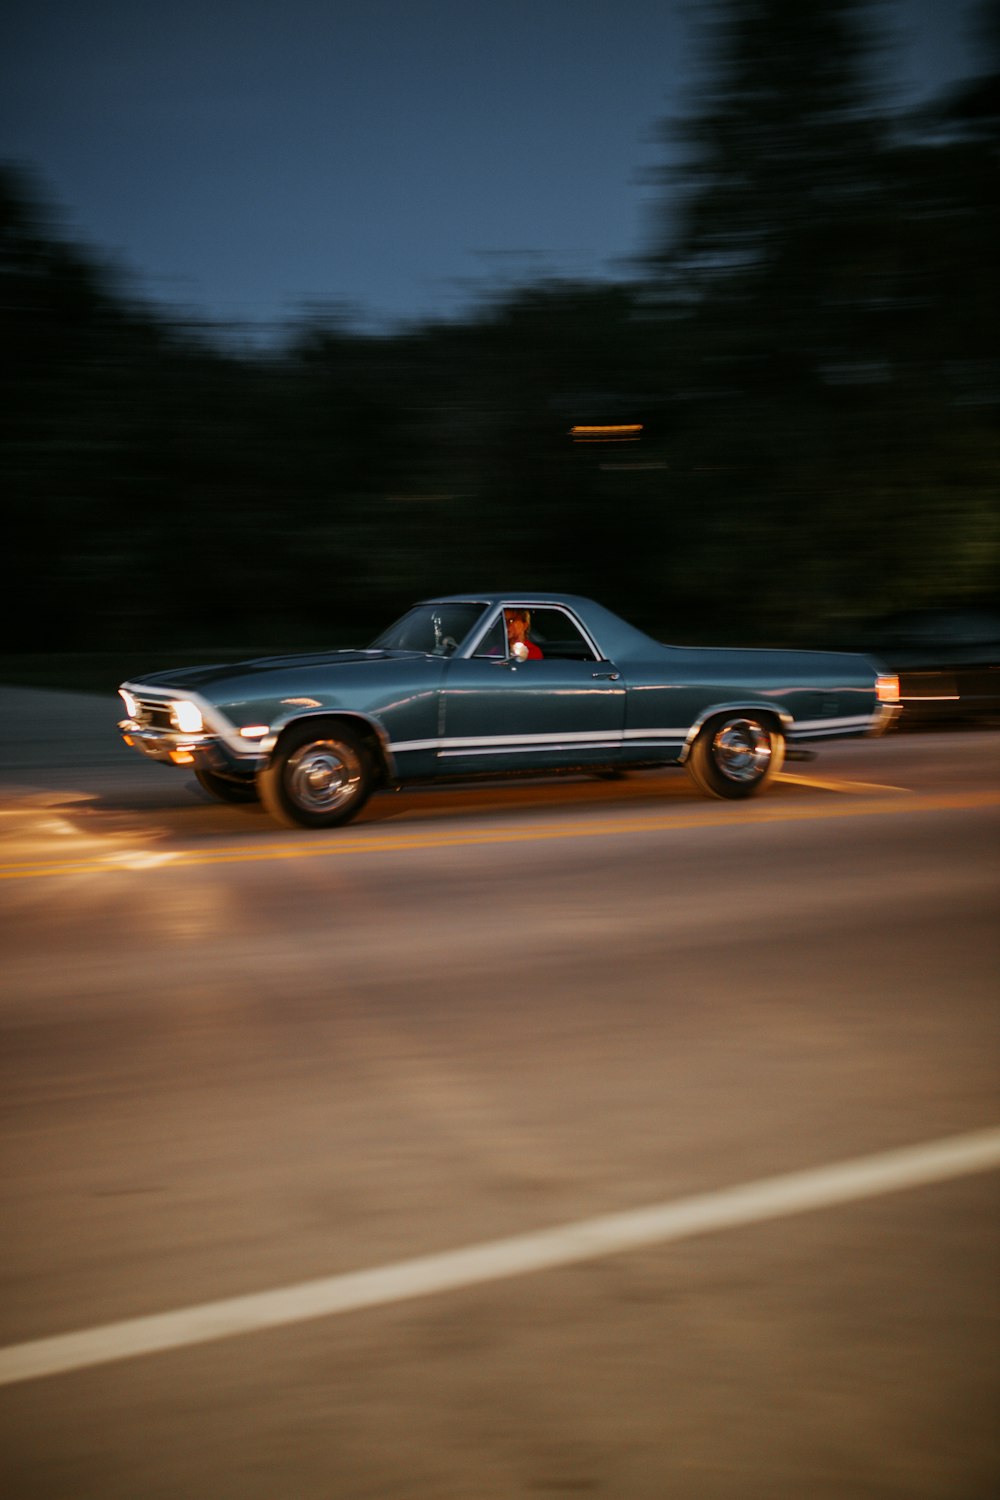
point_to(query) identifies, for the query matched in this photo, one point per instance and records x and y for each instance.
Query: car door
(500, 713)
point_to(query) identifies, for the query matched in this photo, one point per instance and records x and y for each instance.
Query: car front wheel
(318, 777)
(735, 755)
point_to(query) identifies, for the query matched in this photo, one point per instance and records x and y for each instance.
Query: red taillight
(887, 687)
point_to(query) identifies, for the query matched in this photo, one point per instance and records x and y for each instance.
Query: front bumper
(171, 747)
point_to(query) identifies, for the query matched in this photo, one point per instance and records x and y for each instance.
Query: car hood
(194, 678)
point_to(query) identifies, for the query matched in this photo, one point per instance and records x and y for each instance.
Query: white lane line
(589, 1239)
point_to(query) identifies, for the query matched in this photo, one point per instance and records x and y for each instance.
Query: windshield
(437, 629)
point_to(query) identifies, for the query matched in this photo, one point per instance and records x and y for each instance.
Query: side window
(494, 642)
(558, 637)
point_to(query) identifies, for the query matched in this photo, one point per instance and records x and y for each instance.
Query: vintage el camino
(497, 684)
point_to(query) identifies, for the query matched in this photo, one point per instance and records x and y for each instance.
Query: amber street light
(618, 432)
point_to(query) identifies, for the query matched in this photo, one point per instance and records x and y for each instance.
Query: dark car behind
(947, 660)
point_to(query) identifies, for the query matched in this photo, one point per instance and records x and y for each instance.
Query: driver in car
(518, 622)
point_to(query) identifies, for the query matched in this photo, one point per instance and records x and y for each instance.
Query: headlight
(131, 707)
(187, 717)
(887, 687)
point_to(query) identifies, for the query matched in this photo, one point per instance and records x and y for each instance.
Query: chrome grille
(154, 713)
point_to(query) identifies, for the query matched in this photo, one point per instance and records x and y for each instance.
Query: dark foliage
(810, 345)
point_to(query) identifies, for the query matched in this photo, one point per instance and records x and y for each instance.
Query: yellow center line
(835, 784)
(343, 845)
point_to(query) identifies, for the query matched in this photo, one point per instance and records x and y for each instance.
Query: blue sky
(246, 159)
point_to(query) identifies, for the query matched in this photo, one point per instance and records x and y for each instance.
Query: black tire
(319, 776)
(735, 755)
(226, 788)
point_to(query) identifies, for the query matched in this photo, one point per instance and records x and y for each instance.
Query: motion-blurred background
(789, 289)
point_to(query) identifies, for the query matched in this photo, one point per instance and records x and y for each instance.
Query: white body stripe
(519, 744)
(678, 736)
(495, 744)
(812, 727)
(500, 741)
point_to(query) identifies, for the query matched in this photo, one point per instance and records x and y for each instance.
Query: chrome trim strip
(833, 723)
(655, 734)
(497, 744)
(674, 742)
(569, 736)
(523, 749)
(457, 744)
(597, 739)
(403, 745)
(818, 728)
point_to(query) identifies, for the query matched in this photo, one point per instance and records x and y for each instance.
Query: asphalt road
(244, 1063)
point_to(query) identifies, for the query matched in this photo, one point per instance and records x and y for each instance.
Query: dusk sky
(246, 159)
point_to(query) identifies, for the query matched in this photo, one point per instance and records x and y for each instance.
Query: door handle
(606, 676)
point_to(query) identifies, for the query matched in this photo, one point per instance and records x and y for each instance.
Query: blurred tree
(70, 349)
(811, 350)
(793, 236)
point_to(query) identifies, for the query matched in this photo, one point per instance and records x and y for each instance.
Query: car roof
(509, 596)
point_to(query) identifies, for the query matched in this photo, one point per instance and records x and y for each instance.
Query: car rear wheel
(318, 777)
(735, 755)
(226, 788)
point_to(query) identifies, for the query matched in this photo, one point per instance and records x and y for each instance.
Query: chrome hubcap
(323, 775)
(741, 748)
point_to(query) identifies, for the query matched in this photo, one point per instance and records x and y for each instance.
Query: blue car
(497, 684)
